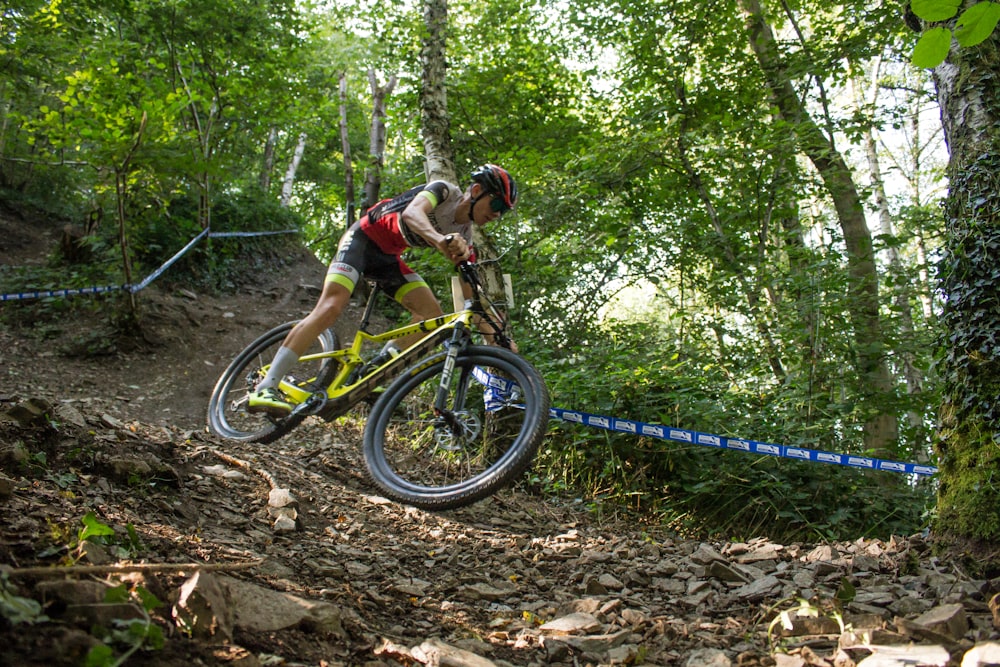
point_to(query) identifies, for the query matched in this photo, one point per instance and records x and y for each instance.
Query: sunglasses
(497, 204)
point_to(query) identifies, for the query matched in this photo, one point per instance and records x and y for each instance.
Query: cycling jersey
(373, 245)
(383, 222)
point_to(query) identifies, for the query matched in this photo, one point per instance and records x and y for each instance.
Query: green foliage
(935, 10)
(133, 634)
(932, 47)
(970, 367)
(16, 609)
(697, 490)
(974, 26)
(970, 278)
(92, 528)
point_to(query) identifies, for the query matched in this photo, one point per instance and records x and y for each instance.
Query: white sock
(284, 360)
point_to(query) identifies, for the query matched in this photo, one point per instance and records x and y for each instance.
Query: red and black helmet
(496, 180)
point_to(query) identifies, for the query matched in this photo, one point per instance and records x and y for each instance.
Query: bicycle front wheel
(497, 410)
(227, 408)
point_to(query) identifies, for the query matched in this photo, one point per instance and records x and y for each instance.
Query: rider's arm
(417, 220)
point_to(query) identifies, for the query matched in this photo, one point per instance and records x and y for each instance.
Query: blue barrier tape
(43, 294)
(738, 444)
(224, 235)
(163, 267)
(500, 390)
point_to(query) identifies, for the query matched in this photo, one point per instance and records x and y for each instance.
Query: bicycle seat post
(373, 290)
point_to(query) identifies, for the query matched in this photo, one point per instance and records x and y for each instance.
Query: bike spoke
(426, 451)
(228, 415)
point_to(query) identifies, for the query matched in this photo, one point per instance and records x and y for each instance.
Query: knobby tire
(415, 460)
(227, 414)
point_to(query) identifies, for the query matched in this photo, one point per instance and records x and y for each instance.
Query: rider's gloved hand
(454, 248)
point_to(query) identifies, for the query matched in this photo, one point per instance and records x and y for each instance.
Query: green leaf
(93, 528)
(977, 23)
(935, 10)
(932, 48)
(17, 609)
(846, 592)
(149, 601)
(99, 656)
(116, 595)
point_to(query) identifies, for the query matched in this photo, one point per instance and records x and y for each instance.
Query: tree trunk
(436, 127)
(798, 256)
(345, 146)
(377, 137)
(265, 172)
(969, 439)
(293, 166)
(434, 119)
(924, 287)
(904, 292)
(121, 197)
(881, 430)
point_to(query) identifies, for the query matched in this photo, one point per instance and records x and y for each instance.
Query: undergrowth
(700, 491)
(213, 265)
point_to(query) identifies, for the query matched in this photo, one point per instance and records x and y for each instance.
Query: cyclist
(437, 215)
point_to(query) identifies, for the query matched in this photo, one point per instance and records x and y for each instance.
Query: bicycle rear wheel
(227, 413)
(479, 445)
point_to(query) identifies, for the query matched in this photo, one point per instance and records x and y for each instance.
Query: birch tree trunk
(377, 137)
(436, 128)
(434, 119)
(265, 172)
(345, 147)
(925, 289)
(901, 301)
(881, 430)
(969, 440)
(293, 166)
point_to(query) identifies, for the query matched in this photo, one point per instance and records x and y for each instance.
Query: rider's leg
(342, 276)
(323, 316)
(422, 304)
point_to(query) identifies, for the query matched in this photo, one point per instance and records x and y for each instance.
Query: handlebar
(468, 271)
(465, 267)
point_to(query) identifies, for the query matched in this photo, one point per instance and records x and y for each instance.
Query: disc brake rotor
(469, 427)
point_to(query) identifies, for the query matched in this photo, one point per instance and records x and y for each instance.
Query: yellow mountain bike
(454, 423)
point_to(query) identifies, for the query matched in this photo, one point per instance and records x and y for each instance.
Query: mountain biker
(437, 215)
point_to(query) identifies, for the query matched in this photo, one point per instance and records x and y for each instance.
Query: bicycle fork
(451, 424)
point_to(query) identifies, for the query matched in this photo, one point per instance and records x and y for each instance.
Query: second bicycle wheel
(497, 410)
(227, 408)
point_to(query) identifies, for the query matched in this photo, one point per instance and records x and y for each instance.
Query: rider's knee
(329, 307)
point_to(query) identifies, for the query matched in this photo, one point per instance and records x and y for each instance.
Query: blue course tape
(224, 235)
(43, 294)
(738, 444)
(500, 390)
(158, 272)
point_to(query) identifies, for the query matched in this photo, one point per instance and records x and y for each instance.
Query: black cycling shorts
(358, 255)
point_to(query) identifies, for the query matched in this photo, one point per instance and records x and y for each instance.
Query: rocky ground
(128, 535)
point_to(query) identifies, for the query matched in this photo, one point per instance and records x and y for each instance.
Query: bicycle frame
(342, 394)
(337, 398)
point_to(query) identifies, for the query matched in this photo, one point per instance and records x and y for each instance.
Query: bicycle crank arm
(311, 406)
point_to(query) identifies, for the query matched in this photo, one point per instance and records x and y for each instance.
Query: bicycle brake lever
(468, 271)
